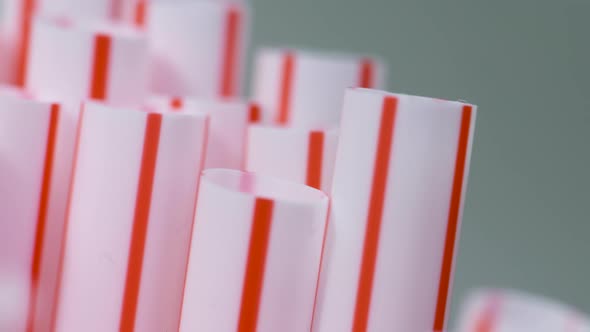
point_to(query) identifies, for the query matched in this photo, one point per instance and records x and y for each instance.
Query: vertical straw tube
(129, 220)
(300, 155)
(17, 18)
(303, 88)
(28, 135)
(198, 46)
(90, 62)
(70, 62)
(255, 254)
(227, 130)
(88, 9)
(399, 183)
(15, 31)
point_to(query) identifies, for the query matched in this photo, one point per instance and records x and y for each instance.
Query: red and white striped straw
(28, 224)
(397, 200)
(255, 254)
(198, 47)
(515, 311)
(15, 31)
(304, 88)
(107, 10)
(130, 215)
(73, 61)
(134, 11)
(301, 155)
(227, 129)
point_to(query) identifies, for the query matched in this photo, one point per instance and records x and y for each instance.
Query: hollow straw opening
(383, 93)
(176, 6)
(14, 92)
(117, 109)
(204, 103)
(21, 103)
(195, 103)
(90, 26)
(167, 112)
(260, 186)
(319, 54)
(274, 131)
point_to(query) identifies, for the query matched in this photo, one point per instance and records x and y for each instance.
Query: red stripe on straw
(255, 114)
(375, 213)
(453, 220)
(254, 277)
(116, 9)
(488, 318)
(176, 103)
(366, 79)
(67, 220)
(140, 13)
(315, 151)
(228, 71)
(100, 67)
(42, 214)
(286, 87)
(27, 9)
(140, 220)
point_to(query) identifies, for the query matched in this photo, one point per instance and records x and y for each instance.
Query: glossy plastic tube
(74, 61)
(198, 47)
(227, 130)
(295, 154)
(397, 199)
(128, 225)
(255, 254)
(304, 88)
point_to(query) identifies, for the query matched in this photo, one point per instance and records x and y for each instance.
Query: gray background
(525, 63)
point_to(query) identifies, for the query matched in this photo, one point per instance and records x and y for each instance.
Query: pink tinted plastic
(255, 254)
(29, 228)
(304, 88)
(397, 197)
(87, 9)
(198, 47)
(227, 130)
(13, 37)
(300, 155)
(87, 61)
(503, 310)
(130, 214)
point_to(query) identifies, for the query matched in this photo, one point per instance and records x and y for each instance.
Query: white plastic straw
(300, 155)
(198, 47)
(227, 130)
(76, 61)
(128, 225)
(397, 199)
(303, 88)
(255, 254)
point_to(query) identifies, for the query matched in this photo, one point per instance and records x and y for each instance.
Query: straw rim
(383, 93)
(269, 187)
(324, 55)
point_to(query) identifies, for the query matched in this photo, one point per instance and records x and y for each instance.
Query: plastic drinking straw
(306, 88)
(130, 214)
(255, 254)
(198, 47)
(397, 199)
(301, 155)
